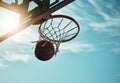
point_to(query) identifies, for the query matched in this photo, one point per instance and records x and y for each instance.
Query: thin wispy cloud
(76, 47)
(2, 65)
(18, 48)
(114, 19)
(109, 25)
(103, 25)
(13, 57)
(93, 3)
(25, 36)
(108, 17)
(111, 19)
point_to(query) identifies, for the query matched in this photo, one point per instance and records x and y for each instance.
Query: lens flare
(8, 21)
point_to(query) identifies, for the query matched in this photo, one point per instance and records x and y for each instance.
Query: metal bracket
(32, 19)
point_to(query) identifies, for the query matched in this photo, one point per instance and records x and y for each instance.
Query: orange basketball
(44, 50)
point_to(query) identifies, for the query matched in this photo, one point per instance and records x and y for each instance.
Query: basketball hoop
(53, 29)
(58, 29)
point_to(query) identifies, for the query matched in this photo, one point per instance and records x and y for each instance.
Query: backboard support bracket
(31, 20)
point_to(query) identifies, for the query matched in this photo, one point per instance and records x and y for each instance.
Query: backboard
(33, 16)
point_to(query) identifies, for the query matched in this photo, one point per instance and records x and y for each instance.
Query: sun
(8, 20)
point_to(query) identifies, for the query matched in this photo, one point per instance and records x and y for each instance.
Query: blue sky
(92, 57)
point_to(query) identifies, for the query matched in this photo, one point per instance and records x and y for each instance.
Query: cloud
(110, 26)
(25, 36)
(2, 65)
(94, 4)
(109, 13)
(109, 16)
(103, 25)
(12, 57)
(109, 20)
(18, 47)
(76, 47)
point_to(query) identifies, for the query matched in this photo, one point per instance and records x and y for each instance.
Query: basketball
(44, 50)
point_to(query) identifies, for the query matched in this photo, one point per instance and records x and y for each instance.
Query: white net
(58, 29)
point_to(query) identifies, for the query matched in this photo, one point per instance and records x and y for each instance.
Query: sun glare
(8, 21)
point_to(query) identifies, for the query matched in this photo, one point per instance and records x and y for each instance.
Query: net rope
(58, 30)
(57, 33)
